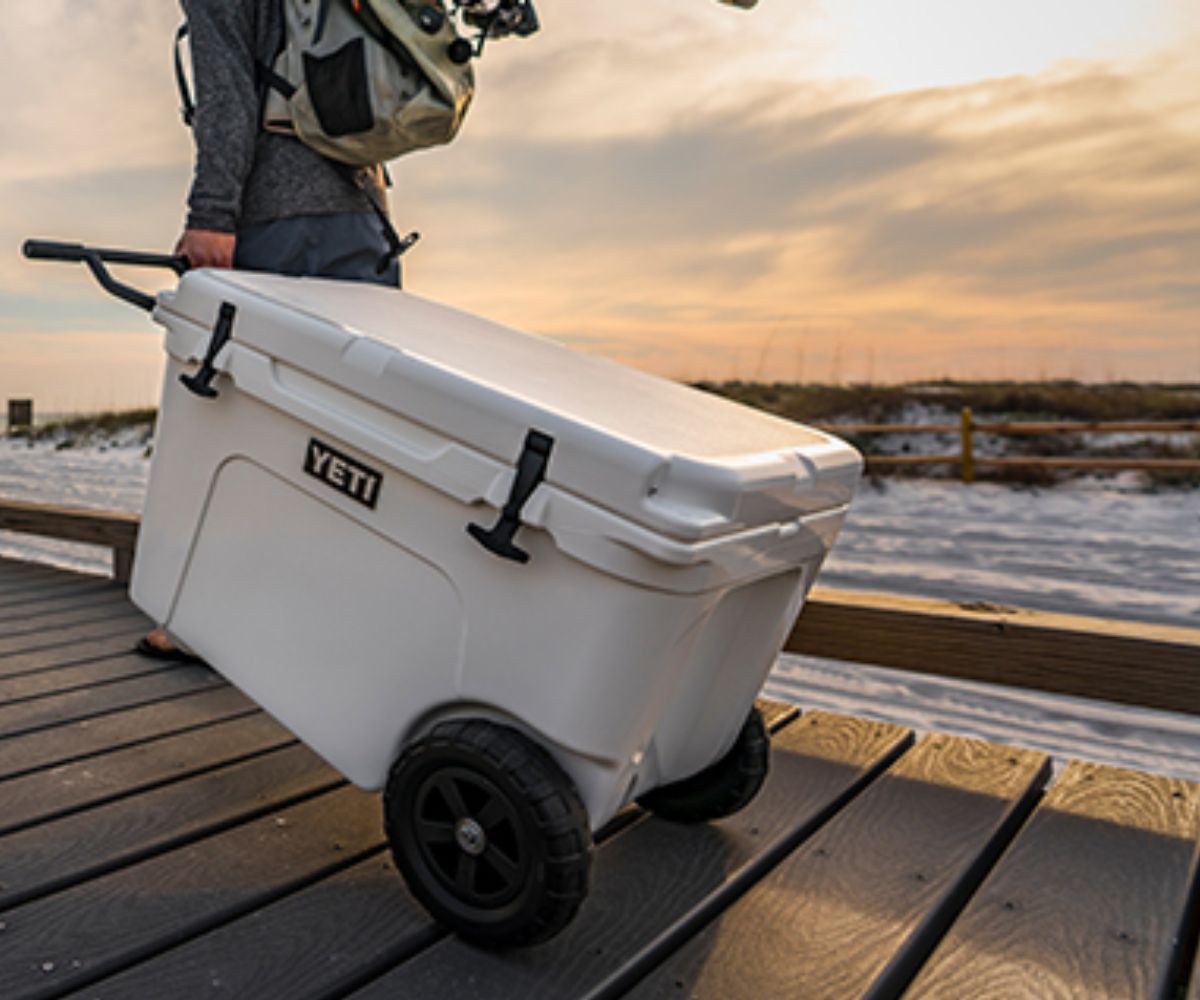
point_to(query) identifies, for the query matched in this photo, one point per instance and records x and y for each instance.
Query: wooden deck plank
(16, 597)
(69, 788)
(99, 597)
(856, 909)
(116, 730)
(17, 572)
(51, 856)
(318, 942)
(109, 923)
(105, 670)
(103, 609)
(1089, 900)
(22, 580)
(653, 879)
(87, 703)
(95, 626)
(56, 656)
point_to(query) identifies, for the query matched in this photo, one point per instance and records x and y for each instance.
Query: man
(259, 200)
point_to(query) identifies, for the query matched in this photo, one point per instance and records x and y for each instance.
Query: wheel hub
(470, 836)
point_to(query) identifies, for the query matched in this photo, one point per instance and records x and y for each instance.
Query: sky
(812, 190)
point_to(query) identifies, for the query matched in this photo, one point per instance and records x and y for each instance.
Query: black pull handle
(96, 257)
(51, 250)
(531, 470)
(200, 382)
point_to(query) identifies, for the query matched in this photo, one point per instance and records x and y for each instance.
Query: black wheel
(721, 789)
(489, 833)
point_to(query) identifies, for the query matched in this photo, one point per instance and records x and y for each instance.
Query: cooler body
(306, 532)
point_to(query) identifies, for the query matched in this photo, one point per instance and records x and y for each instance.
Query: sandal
(165, 654)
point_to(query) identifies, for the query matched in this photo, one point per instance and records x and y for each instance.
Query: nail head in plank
(1089, 899)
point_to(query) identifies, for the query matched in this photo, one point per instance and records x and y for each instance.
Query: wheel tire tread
(724, 787)
(556, 810)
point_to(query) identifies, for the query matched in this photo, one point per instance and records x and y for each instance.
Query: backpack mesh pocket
(338, 88)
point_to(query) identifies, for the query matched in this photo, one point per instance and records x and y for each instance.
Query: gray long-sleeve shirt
(245, 175)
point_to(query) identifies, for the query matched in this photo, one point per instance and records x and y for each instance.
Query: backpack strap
(269, 78)
(187, 106)
(396, 244)
(265, 77)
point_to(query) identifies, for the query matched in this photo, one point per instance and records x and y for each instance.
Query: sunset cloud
(679, 186)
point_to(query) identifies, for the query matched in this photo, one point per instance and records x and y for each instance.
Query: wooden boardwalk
(162, 837)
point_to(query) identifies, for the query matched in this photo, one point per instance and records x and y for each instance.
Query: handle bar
(96, 257)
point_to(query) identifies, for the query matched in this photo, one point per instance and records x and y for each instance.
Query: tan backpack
(365, 81)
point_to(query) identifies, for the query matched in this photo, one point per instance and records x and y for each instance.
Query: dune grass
(1014, 400)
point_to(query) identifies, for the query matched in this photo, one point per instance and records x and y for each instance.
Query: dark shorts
(347, 246)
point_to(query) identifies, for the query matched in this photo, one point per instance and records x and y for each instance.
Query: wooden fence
(968, 462)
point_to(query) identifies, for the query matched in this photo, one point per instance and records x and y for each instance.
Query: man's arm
(225, 128)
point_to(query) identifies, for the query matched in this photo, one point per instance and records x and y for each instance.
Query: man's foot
(156, 646)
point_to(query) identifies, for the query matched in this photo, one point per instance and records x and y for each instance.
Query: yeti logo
(343, 473)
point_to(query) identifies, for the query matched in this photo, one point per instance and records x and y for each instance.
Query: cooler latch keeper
(531, 470)
(201, 381)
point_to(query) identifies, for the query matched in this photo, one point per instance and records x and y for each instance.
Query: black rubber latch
(531, 470)
(201, 382)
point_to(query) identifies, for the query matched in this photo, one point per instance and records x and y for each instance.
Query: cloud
(1017, 213)
(675, 184)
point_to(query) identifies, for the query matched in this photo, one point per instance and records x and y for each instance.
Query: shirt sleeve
(226, 125)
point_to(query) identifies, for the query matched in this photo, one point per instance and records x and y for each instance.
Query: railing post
(968, 446)
(20, 416)
(122, 565)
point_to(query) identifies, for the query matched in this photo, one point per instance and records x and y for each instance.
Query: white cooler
(306, 532)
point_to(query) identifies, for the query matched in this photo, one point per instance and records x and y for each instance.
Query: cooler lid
(681, 461)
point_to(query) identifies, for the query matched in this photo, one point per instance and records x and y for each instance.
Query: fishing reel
(498, 19)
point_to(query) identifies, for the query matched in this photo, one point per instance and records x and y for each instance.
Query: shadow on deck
(162, 836)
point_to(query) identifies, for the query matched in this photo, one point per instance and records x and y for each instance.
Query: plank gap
(173, 939)
(151, 670)
(77, 641)
(149, 786)
(123, 637)
(42, 727)
(128, 744)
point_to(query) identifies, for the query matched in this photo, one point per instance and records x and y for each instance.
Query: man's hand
(206, 248)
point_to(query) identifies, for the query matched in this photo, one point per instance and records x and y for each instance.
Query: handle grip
(50, 250)
(96, 257)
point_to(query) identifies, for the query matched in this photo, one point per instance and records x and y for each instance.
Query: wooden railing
(1155, 666)
(968, 462)
(110, 529)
